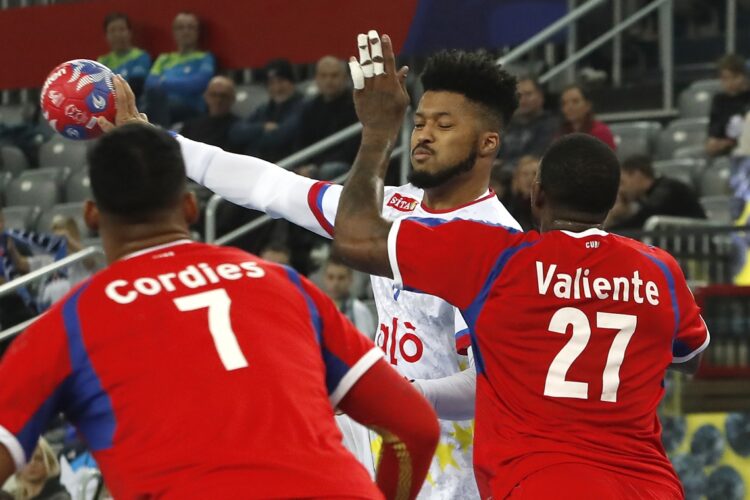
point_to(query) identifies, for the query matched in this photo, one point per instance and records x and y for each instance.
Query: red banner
(241, 33)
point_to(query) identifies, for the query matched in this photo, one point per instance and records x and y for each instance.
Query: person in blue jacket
(124, 59)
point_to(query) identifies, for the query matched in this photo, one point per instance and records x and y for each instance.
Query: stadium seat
(78, 186)
(635, 138)
(61, 151)
(74, 210)
(693, 152)
(21, 217)
(695, 101)
(718, 208)
(714, 181)
(685, 169)
(248, 98)
(13, 114)
(681, 133)
(13, 160)
(5, 178)
(32, 191)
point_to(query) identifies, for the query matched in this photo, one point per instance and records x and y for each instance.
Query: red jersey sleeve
(33, 371)
(347, 353)
(691, 335)
(454, 260)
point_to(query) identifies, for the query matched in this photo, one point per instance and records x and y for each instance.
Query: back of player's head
(580, 173)
(136, 172)
(639, 163)
(476, 76)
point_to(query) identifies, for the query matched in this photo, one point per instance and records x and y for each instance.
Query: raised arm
(381, 102)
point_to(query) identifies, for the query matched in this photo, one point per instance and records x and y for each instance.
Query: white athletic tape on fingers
(358, 76)
(376, 51)
(365, 61)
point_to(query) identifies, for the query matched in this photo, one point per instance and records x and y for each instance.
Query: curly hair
(476, 76)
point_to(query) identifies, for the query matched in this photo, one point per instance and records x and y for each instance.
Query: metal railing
(26, 279)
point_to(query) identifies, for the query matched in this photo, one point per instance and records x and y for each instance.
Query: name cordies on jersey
(582, 286)
(191, 277)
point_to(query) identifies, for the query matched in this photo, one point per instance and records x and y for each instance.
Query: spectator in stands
(330, 111)
(578, 114)
(15, 307)
(214, 127)
(337, 284)
(519, 204)
(276, 252)
(532, 128)
(270, 132)
(728, 107)
(651, 195)
(125, 59)
(177, 80)
(40, 478)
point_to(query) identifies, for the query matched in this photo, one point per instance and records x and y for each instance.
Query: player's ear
(91, 215)
(190, 208)
(489, 144)
(537, 195)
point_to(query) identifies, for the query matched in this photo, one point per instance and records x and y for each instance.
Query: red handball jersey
(571, 333)
(194, 371)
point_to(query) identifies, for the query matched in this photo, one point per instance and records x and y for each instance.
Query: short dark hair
(136, 171)
(733, 63)
(534, 80)
(277, 246)
(585, 93)
(580, 173)
(476, 76)
(279, 68)
(116, 16)
(639, 163)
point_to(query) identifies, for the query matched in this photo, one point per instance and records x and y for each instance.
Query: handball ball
(74, 94)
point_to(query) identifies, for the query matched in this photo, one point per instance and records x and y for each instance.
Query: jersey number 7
(556, 385)
(218, 303)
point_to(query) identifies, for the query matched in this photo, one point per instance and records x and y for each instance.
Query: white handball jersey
(419, 334)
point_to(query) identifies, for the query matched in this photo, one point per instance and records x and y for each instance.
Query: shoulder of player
(647, 252)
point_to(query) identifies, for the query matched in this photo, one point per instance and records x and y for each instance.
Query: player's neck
(135, 238)
(453, 194)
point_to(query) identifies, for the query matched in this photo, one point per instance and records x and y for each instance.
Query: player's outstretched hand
(127, 112)
(380, 96)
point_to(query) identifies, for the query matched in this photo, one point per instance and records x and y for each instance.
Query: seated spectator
(651, 196)
(578, 115)
(532, 128)
(177, 80)
(728, 107)
(276, 252)
(519, 204)
(125, 59)
(40, 478)
(337, 284)
(269, 133)
(15, 307)
(214, 128)
(330, 111)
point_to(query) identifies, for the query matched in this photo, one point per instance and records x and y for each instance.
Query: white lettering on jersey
(191, 277)
(580, 286)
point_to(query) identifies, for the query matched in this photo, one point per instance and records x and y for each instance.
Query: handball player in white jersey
(467, 101)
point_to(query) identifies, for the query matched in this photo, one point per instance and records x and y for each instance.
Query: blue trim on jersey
(434, 221)
(462, 333)
(86, 403)
(37, 425)
(319, 201)
(335, 367)
(672, 293)
(471, 313)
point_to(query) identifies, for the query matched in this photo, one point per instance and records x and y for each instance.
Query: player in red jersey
(195, 371)
(572, 329)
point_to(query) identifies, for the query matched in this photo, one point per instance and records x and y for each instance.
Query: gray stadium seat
(685, 169)
(693, 152)
(13, 160)
(74, 210)
(61, 151)
(78, 186)
(681, 133)
(635, 138)
(718, 208)
(5, 178)
(13, 114)
(714, 181)
(32, 191)
(695, 101)
(20, 217)
(248, 98)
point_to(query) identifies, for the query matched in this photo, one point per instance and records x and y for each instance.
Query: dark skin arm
(7, 466)
(361, 233)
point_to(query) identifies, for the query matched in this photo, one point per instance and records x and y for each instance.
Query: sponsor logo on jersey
(402, 203)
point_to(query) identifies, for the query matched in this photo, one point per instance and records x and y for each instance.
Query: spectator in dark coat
(728, 107)
(214, 127)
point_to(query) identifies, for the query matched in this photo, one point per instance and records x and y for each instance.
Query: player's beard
(426, 180)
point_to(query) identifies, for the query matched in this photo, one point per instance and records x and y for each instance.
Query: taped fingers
(376, 52)
(365, 61)
(358, 76)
